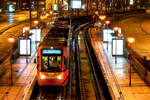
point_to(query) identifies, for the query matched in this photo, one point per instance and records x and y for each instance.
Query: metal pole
(116, 52)
(130, 67)
(26, 48)
(37, 9)
(87, 7)
(30, 15)
(11, 81)
(107, 36)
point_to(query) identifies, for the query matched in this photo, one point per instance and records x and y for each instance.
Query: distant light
(116, 28)
(11, 40)
(51, 12)
(130, 39)
(0, 10)
(96, 12)
(102, 17)
(43, 9)
(131, 2)
(107, 22)
(36, 22)
(83, 6)
(47, 14)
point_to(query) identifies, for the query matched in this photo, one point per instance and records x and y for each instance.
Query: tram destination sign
(51, 51)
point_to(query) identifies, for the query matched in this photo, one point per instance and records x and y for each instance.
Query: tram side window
(65, 63)
(45, 62)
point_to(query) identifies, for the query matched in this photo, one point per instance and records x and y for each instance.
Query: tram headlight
(59, 77)
(43, 76)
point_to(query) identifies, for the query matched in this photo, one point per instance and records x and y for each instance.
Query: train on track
(52, 58)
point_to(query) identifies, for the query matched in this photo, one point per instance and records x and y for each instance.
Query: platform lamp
(116, 28)
(11, 40)
(130, 40)
(107, 23)
(27, 33)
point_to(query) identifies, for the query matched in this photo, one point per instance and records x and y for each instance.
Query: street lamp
(130, 40)
(51, 12)
(107, 22)
(116, 28)
(11, 40)
(26, 32)
(36, 22)
(96, 12)
(102, 17)
(47, 14)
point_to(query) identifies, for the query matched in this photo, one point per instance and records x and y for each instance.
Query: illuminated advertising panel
(117, 47)
(11, 8)
(23, 43)
(36, 34)
(107, 35)
(76, 4)
(51, 51)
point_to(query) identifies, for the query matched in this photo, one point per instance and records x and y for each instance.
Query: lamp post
(11, 40)
(26, 32)
(130, 41)
(107, 22)
(116, 32)
(36, 22)
(96, 13)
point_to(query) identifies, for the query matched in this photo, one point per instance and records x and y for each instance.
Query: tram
(52, 59)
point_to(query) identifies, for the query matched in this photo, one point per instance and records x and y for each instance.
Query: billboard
(107, 35)
(117, 47)
(36, 34)
(23, 43)
(76, 4)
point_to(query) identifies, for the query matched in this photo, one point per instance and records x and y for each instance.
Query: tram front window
(51, 64)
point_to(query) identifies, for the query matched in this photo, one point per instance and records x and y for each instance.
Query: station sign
(24, 46)
(51, 51)
(117, 47)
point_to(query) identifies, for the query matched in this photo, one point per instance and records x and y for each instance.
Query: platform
(24, 77)
(117, 75)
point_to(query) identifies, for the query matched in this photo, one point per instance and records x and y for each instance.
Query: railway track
(99, 84)
(48, 93)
